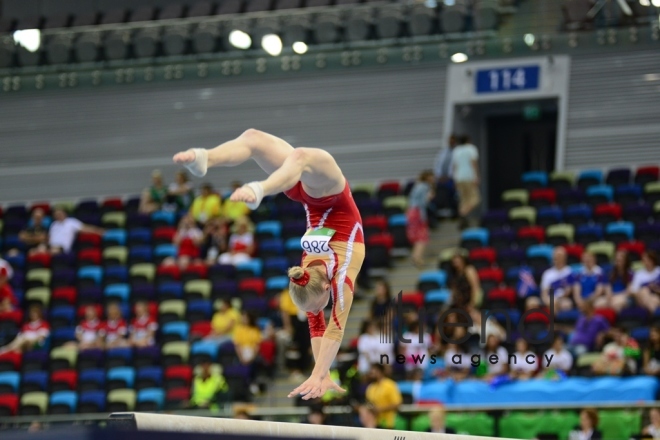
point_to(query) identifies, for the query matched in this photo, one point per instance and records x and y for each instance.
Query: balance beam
(207, 425)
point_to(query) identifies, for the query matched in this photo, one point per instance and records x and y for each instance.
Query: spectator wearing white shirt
(645, 285)
(241, 243)
(557, 358)
(9, 270)
(523, 363)
(33, 334)
(500, 364)
(559, 280)
(465, 172)
(457, 362)
(371, 346)
(416, 352)
(63, 231)
(653, 429)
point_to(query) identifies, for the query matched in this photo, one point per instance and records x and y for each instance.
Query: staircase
(402, 277)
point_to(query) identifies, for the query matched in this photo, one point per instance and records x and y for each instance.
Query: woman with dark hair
(651, 355)
(33, 334)
(464, 283)
(417, 228)
(619, 279)
(382, 299)
(645, 285)
(587, 429)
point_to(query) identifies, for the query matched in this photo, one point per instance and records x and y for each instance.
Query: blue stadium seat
(397, 220)
(535, 179)
(170, 289)
(406, 387)
(165, 250)
(95, 376)
(257, 306)
(474, 237)
(540, 251)
(627, 194)
(123, 353)
(66, 314)
(600, 194)
(179, 328)
(549, 215)
(263, 322)
(567, 316)
(270, 227)
(589, 178)
(140, 253)
(588, 233)
(115, 236)
(94, 273)
(437, 390)
(641, 334)
(277, 283)
(38, 379)
(151, 373)
(118, 291)
(65, 398)
(514, 317)
(275, 266)
(577, 214)
(16, 261)
(139, 235)
(437, 296)
(118, 274)
(271, 247)
(166, 217)
(92, 401)
(155, 395)
(209, 348)
(125, 374)
(437, 277)
(200, 306)
(9, 382)
(255, 266)
(293, 244)
(619, 231)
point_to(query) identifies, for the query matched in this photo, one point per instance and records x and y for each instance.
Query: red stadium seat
(15, 316)
(85, 240)
(388, 189)
(506, 294)
(574, 252)
(381, 240)
(66, 377)
(42, 259)
(609, 314)
(607, 212)
(196, 270)
(531, 235)
(413, 298)
(647, 174)
(9, 404)
(183, 372)
(169, 271)
(374, 224)
(68, 294)
(45, 206)
(11, 361)
(164, 234)
(91, 256)
(542, 197)
(201, 328)
(177, 395)
(633, 247)
(482, 257)
(188, 248)
(490, 278)
(256, 285)
(113, 204)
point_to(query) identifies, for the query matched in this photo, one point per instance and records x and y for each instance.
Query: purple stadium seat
(495, 219)
(201, 9)
(618, 176)
(230, 7)
(114, 16)
(502, 239)
(632, 317)
(171, 12)
(143, 13)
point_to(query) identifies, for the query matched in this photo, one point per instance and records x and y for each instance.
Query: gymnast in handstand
(333, 246)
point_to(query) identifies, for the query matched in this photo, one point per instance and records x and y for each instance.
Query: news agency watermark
(392, 331)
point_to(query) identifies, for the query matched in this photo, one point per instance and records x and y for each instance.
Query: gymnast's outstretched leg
(267, 150)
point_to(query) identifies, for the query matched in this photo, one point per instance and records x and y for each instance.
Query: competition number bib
(317, 241)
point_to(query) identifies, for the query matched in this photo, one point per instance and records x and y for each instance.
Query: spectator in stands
(494, 348)
(589, 331)
(556, 359)
(457, 359)
(416, 352)
(619, 280)
(35, 235)
(214, 239)
(653, 429)
(180, 192)
(4, 264)
(558, 280)
(371, 347)
(437, 421)
(619, 355)
(155, 196)
(63, 230)
(368, 416)
(464, 283)
(88, 332)
(114, 330)
(524, 363)
(589, 283)
(208, 387)
(588, 426)
(491, 328)
(442, 166)
(651, 357)
(382, 301)
(296, 328)
(241, 243)
(316, 416)
(7, 299)
(417, 228)
(206, 205)
(384, 396)
(33, 334)
(645, 285)
(234, 210)
(247, 338)
(224, 322)
(188, 239)
(143, 328)
(465, 171)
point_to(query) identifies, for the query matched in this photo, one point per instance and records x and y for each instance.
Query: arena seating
(124, 266)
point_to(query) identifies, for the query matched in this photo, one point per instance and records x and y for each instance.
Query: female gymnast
(333, 244)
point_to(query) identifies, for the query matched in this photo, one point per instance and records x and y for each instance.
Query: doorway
(512, 137)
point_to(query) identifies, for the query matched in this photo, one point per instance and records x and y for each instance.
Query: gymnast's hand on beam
(315, 387)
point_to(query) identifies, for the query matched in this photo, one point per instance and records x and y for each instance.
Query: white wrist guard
(199, 165)
(258, 192)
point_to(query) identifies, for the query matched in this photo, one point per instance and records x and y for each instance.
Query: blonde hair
(314, 287)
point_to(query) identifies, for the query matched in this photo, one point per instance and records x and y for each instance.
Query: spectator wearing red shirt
(88, 332)
(33, 334)
(143, 328)
(114, 330)
(7, 298)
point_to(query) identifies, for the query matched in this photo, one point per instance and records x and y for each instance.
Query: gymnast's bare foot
(184, 157)
(196, 160)
(244, 194)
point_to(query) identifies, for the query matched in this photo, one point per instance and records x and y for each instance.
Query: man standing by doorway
(465, 172)
(444, 202)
